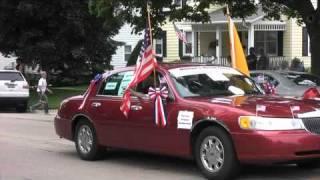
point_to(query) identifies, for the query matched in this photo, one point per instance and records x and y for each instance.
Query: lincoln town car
(215, 116)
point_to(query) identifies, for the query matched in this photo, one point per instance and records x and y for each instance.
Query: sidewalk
(36, 115)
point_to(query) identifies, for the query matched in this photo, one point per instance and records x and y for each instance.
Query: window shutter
(196, 41)
(184, 3)
(305, 43)
(180, 48)
(164, 41)
(280, 43)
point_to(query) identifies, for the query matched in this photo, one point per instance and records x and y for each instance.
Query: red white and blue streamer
(157, 95)
(89, 92)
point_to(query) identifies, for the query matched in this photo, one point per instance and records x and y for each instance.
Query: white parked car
(14, 90)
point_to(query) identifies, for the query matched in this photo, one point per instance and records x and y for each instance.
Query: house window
(127, 52)
(178, 3)
(181, 3)
(187, 47)
(266, 41)
(159, 47)
(305, 42)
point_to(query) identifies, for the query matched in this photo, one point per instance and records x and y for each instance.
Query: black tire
(229, 167)
(21, 108)
(309, 165)
(96, 151)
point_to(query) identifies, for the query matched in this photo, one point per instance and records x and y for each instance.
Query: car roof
(171, 65)
(9, 71)
(278, 71)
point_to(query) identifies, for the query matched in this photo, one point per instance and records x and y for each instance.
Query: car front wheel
(309, 165)
(86, 142)
(215, 155)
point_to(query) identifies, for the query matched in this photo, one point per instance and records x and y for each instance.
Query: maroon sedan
(215, 115)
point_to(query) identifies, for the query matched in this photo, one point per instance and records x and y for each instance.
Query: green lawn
(59, 94)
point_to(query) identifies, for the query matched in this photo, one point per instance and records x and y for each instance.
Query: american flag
(144, 68)
(269, 88)
(295, 108)
(180, 34)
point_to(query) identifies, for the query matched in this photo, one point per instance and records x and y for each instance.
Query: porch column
(219, 41)
(250, 37)
(194, 46)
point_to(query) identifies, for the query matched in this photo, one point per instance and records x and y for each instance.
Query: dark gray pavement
(30, 150)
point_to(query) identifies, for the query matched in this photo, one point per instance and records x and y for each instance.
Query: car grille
(312, 124)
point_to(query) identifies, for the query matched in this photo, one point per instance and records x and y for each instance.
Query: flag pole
(151, 42)
(231, 38)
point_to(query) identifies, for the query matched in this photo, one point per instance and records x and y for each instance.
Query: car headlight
(269, 124)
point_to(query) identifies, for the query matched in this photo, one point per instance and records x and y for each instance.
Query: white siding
(7, 62)
(315, 3)
(172, 42)
(292, 42)
(126, 37)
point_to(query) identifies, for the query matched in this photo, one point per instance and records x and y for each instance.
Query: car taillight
(25, 86)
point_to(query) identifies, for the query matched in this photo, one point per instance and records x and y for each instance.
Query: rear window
(11, 76)
(304, 79)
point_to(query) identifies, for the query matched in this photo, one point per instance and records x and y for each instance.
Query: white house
(7, 63)
(130, 40)
(281, 40)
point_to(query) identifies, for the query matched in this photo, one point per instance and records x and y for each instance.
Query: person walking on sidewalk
(42, 88)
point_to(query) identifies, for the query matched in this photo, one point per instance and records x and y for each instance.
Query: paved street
(30, 150)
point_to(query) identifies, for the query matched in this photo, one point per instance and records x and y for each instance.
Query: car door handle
(136, 108)
(96, 104)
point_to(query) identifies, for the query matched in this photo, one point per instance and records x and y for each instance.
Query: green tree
(133, 12)
(59, 35)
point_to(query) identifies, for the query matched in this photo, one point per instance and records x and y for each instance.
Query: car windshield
(10, 76)
(211, 81)
(303, 79)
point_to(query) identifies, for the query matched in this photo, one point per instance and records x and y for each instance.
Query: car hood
(275, 106)
(296, 90)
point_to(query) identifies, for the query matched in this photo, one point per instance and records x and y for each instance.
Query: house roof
(218, 16)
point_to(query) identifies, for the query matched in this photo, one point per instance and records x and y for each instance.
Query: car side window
(143, 87)
(116, 84)
(261, 78)
(271, 80)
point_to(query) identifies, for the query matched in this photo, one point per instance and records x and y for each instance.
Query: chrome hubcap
(212, 153)
(85, 139)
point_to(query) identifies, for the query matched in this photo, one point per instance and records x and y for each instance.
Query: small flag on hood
(261, 108)
(295, 108)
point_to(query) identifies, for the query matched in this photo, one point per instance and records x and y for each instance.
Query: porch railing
(275, 62)
(221, 61)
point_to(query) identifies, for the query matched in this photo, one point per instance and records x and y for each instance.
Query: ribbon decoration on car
(157, 95)
(89, 92)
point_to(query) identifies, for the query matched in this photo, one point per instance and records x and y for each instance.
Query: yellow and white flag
(238, 59)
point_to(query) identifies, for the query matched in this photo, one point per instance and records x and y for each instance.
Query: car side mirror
(170, 98)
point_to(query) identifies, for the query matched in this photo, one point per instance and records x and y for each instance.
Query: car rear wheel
(21, 107)
(86, 142)
(215, 155)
